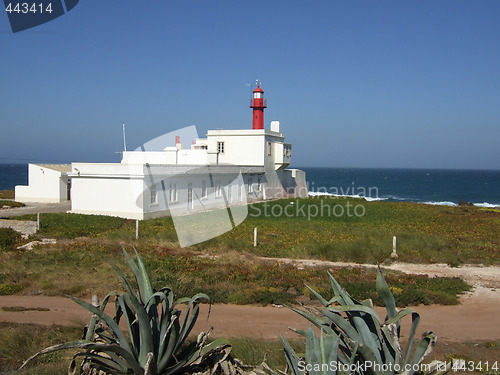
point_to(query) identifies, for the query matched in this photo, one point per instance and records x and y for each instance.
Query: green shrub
(8, 289)
(8, 238)
(11, 204)
(260, 295)
(7, 194)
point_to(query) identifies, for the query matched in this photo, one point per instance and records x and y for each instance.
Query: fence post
(255, 237)
(137, 229)
(394, 250)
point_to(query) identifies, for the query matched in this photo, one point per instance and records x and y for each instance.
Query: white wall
(107, 196)
(45, 185)
(183, 156)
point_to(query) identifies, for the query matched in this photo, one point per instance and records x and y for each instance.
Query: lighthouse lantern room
(258, 104)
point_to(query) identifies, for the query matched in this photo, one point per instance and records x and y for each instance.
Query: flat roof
(57, 167)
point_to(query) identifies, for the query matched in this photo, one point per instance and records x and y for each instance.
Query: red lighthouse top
(258, 104)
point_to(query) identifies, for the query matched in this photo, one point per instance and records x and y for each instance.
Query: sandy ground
(476, 319)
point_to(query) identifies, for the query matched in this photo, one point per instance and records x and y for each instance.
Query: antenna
(258, 82)
(124, 140)
(250, 86)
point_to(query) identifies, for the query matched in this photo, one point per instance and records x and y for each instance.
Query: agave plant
(354, 339)
(156, 333)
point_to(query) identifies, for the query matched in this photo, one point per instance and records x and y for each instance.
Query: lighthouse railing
(252, 102)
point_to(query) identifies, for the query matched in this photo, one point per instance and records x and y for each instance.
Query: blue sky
(396, 84)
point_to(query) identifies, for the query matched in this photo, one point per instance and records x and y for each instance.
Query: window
(250, 186)
(287, 151)
(257, 95)
(154, 195)
(218, 190)
(173, 193)
(204, 193)
(220, 147)
(269, 148)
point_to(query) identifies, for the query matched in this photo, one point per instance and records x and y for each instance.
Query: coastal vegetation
(425, 233)
(228, 278)
(230, 269)
(10, 204)
(7, 194)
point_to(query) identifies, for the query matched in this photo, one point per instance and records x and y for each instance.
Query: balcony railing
(252, 103)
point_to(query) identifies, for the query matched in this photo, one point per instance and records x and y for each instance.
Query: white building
(227, 168)
(230, 166)
(47, 183)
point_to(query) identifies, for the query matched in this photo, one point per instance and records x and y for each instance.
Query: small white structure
(47, 183)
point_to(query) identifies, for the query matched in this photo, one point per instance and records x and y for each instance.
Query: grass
(227, 268)
(11, 204)
(72, 226)
(19, 341)
(7, 194)
(9, 239)
(81, 269)
(425, 234)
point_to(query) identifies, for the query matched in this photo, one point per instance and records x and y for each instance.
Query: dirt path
(476, 319)
(34, 208)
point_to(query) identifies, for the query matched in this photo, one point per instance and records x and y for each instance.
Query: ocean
(443, 187)
(440, 187)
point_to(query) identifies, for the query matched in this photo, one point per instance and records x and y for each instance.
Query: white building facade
(227, 168)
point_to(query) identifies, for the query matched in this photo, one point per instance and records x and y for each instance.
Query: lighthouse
(258, 104)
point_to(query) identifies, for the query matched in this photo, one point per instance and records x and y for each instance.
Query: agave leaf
(336, 318)
(363, 318)
(122, 340)
(369, 356)
(415, 320)
(171, 339)
(313, 351)
(316, 320)
(82, 344)
(143, 279)
(392, 348)
(165, 333)
(344, 297)
(331, 348)
(291, 357)
(317, 295)
(146, 292)
(143, 319)
(190, 316)
(424, 347)
(124, 304)
(385, 293)
(357, 308)
(106, 363)
(202, 351)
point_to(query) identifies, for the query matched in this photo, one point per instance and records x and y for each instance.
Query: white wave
(444, 203)
(486, 205)
(325, 194)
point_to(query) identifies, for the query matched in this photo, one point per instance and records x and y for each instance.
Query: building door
(68, 190)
